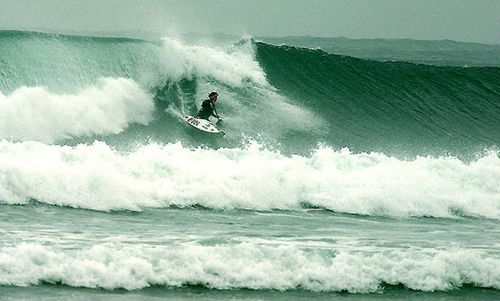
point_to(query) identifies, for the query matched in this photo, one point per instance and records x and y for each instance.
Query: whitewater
(338, 176)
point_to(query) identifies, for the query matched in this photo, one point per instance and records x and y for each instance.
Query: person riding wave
(208, 107)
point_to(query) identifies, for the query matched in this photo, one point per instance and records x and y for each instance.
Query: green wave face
(390, 105)
(290, 98)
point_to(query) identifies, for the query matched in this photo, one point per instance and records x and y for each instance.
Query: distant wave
(441, 53)
(99, 178)
(247, 265)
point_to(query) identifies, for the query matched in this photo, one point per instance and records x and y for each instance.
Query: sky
(460, 20)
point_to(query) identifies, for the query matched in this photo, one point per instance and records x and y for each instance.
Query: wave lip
(232, 65)
(247, 265)
(34, 113)
(99, 178)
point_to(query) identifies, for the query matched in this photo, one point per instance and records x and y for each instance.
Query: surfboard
(203, 125)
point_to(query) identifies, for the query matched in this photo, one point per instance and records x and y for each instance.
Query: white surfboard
(203, 125)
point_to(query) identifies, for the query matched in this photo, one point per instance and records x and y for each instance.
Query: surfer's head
(213, 96)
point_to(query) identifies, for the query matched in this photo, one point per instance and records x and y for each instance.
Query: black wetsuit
(207, 109)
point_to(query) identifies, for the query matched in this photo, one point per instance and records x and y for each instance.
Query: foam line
(247, 265)
(100, 178)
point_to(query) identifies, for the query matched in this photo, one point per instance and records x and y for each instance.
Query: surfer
(208, 107)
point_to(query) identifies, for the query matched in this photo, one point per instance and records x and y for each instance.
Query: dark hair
(212, 94)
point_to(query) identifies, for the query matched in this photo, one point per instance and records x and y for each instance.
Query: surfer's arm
(214, 112)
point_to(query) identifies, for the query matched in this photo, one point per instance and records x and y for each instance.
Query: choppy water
(339, 177)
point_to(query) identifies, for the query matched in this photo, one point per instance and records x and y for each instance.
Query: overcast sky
(462, 20)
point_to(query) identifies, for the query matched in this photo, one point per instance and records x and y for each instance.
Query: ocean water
(441, 52)
(338, 178)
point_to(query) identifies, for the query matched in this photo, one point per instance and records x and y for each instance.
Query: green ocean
(350, 169)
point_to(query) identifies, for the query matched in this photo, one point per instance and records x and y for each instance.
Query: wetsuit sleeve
(214, 111)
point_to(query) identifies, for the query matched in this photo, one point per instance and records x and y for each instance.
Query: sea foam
(100, 178)
(108, 107)
(247, 265)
